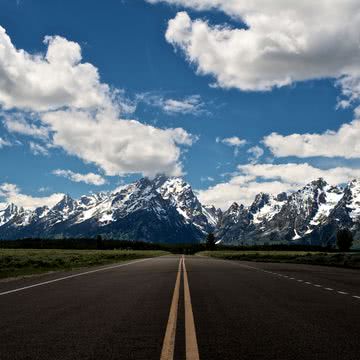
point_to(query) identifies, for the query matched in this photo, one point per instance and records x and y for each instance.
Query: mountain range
(166, 209)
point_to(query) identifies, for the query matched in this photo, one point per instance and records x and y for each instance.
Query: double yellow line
(192, 351)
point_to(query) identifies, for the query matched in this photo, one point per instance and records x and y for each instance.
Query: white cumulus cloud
(342, 143)
(16, 123)
(117, 146)
(12, 194)
(277, 42)
(48, 81)
(79, 113)
(90, 178)
(252, 179)
(233, 141)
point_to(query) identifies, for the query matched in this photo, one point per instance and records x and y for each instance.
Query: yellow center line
(167, 352)
(192, 351)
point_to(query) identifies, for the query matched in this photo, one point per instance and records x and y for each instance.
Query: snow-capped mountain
(166, 209)
(181, 196)
(7, 212)
(160, 210)
(233, 224)
(309, 215)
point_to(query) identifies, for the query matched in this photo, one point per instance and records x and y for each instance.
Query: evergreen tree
(99, 242)
(210, 241)
(344, 239)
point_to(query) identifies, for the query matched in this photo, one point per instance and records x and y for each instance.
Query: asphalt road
(160, 309)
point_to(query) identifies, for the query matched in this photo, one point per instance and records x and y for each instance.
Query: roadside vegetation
(33, 256)
(16, 262)
(350, 259)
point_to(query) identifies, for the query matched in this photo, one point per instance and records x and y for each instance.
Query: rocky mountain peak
(319, 183)
(260, 201)
(234, 207)
(8, 212)
(282, 196)
(166, 208)
(66, 203)
(10, 209)
(40, 211)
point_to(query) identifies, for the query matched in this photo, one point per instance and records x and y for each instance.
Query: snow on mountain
(327, 200)
(233, 213)
(167, 209)
(18, 216)
(266, 206)
(212, 214)
(354, 200)
(107, 208)
(306, 210)
(310, 206)
(166, 203)
(182, 197)
(234, 224)
(7, 212)
(311, 214)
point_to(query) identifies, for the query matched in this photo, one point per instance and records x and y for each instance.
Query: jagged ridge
(167, 210)
(159, 210)
(311, 216)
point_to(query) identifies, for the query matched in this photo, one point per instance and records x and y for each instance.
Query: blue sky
(169, 75)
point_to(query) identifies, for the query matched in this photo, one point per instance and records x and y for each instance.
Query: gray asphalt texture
(240, 312)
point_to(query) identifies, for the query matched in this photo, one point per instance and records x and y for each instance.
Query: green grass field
(351, 260)
(17, 262)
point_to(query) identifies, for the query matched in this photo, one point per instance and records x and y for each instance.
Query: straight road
(243, 312)
(176, 308)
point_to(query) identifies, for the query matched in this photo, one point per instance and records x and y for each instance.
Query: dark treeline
(78, 243)
(98, 244)
(105, 244)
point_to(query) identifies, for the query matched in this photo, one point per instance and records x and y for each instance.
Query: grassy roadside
(16, 262)
(350, 260)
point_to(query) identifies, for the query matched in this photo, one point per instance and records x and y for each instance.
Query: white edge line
(292, 278)
(71, 276)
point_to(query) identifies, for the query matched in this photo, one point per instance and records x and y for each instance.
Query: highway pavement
(176, 307)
